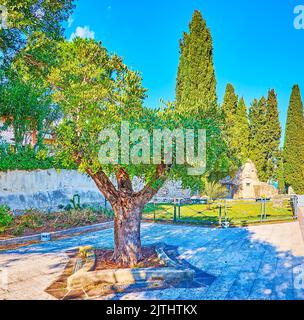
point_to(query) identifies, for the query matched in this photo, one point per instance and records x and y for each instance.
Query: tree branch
(105, 185)
(124, 182)
(148, 192)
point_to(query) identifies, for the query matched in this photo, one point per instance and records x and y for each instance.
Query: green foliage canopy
(265, 136)
(96, 91)
(32, 21)
(236, 126)
(26, 106)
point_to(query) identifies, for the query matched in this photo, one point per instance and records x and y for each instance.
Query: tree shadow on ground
(235, 263)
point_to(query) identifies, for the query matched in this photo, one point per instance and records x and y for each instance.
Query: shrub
(18, 231)
(76, 217)
(31, 220)
(35, 220)
(27, 159)
(6, 218)
(214, 190)
(107, 213)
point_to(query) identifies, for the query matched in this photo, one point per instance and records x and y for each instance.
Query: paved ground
(260, 262)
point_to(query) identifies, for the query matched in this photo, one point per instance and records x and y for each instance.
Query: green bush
(79, 217)
(108, 213)
(34, 221)
(31, 220)
(28, 159)
(18, 231)
(6, 218)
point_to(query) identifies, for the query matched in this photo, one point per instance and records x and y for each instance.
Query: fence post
(263, 210)
(154, 212)
(226, 211)
(174, 218)
(179, 209)
(295, 207)
(220, 214)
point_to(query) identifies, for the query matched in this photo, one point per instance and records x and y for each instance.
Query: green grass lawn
(238, 212)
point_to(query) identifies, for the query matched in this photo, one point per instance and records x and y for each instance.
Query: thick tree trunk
(127, 220)
(128, 206)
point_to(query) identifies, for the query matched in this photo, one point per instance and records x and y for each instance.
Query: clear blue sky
(256, 46)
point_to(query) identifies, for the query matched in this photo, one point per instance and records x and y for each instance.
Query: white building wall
(6, 136)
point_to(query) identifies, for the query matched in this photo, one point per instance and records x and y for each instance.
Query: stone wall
(47, 189)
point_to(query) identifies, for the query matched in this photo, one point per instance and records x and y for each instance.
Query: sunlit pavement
(259, 262)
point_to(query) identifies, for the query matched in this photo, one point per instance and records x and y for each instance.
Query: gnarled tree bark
(127, 206)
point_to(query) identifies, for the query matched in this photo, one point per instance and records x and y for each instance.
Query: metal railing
(221, 212)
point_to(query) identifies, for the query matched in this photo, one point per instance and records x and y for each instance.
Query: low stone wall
(47, 189)
(57, 234)
(171, 272)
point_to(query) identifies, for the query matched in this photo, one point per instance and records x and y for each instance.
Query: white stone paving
(246, 263)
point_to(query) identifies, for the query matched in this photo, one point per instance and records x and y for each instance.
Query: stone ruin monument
(246, 184)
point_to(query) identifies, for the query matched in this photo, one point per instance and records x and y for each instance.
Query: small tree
(214, 190)
(25, 106)
(97, 91)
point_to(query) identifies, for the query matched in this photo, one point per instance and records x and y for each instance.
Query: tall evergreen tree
(229, 109)
(258, 136)
(242, 131)
(236, 128)
(196, 83)
(294, 143)
(273, 134)
(230, 105)
(280, 173)
(265, 135)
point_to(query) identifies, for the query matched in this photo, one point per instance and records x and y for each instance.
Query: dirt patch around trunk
(150, 261)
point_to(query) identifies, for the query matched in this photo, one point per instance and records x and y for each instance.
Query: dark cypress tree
(229, 109)
(273, 134)
(236, 128)
(196, 83)
(258, 137)
(294, 143)
(280, 174)
(242, 131)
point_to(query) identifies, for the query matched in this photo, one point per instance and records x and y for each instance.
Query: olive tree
(100, 95)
